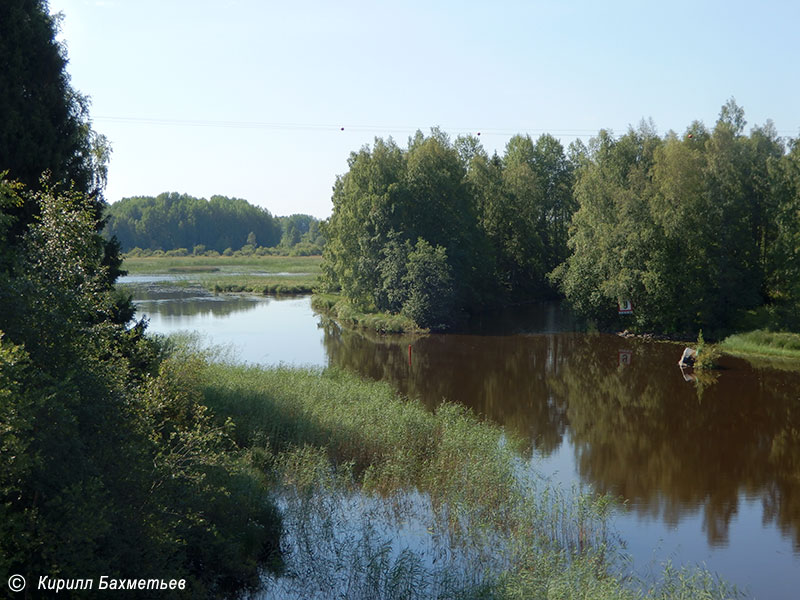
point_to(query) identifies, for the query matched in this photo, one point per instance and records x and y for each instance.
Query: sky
(265, 100)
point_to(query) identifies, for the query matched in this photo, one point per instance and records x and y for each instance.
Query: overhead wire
(361, 128)
(378, 129)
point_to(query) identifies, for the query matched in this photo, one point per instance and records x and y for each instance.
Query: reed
(272, 264)
(384, 499)
(231, 274)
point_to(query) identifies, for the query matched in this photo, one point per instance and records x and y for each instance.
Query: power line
(378, 129)
(374, 129)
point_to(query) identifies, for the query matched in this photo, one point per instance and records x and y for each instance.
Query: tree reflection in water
(190, 301)
(638, 429)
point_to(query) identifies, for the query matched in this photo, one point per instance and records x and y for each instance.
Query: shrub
(430, 286)
(707, 354)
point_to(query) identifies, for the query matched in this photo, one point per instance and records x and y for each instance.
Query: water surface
(710, 472)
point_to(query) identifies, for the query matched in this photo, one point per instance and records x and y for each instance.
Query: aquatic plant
(383, 499)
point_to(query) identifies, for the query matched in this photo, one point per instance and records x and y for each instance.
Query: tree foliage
(442, 226)
(45, 127)
(698, 230)
(526, 204)
(110, 462)
(45, 124)
(172, 220)
(300, 229)
(692, 229)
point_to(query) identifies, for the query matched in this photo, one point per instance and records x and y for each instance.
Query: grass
(224, 274)
(384, 499)
(343, 312)
(272, 284)
(273, 264)
(763, 343)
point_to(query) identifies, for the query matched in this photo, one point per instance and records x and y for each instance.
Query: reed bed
(384, 499)
(278, 264)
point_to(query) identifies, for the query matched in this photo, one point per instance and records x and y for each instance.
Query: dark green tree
(87, 484)
(524, 203)
(429, 282)
(784, 254)
(687, 228)
(391, 208)
(110, 462)
(369, 202)
(612, 228)
(45, 126)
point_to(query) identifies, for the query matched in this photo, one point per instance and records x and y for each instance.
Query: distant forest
(179, 222)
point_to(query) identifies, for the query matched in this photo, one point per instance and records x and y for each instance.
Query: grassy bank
(220, 274)
(164, 264)
(382, 498)
(343, 312)
(762, 343)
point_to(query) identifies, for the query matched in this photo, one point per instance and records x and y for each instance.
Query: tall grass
(280, 264)
(763, 343)
(270, 284)
(383, 499)
(221, 274)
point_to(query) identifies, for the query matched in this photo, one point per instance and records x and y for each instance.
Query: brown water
(710, 470)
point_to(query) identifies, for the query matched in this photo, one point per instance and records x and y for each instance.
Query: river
(710, 471)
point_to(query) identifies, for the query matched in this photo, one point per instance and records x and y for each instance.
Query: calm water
(711, 472)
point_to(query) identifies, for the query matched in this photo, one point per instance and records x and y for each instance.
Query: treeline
(183, 224)
(441, 228)
(109, 462)
(700, 230)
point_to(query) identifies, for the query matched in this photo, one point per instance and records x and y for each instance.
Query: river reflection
(710, 472)
(254, 329)
(637, 428)
(190, 302)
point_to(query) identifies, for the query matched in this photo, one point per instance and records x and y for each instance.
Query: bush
(429, 282)
(707, 354)
(110, 462)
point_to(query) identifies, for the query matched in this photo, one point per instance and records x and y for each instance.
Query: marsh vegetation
(384, 498)
(231, 274)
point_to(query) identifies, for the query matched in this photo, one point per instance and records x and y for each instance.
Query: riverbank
(265, 275)
(343, 312)
(381, 496)
(761, 343)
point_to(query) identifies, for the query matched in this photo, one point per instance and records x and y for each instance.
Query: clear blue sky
(247, 98)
